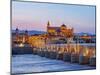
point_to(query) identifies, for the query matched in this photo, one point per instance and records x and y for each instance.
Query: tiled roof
(55, 28)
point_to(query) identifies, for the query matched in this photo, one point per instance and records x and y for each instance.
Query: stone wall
(22, 50)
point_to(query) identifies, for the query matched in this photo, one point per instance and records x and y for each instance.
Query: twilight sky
(34, 16)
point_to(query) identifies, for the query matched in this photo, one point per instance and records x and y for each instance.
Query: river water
(29, 63)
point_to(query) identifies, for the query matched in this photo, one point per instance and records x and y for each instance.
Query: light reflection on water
(33, 63)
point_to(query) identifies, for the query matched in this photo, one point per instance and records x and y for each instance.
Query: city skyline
(34, 16)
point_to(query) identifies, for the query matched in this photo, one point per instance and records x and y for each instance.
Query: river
(29, 63)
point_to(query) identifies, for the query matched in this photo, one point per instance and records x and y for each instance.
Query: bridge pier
(38, 52)
(53, 55)
(92, 61)
(74, 58)
(35, 51)
(83, 60)
(42, 53)
(67, 57)
(47, 54)
(59, 56)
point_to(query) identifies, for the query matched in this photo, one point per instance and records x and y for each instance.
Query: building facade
(19, 37)
(63, 32)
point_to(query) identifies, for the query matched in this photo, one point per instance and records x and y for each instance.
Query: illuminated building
(19, 37)
(62, 32)
(59, 31)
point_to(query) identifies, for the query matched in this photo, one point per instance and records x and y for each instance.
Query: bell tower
(17, 33)
(48, 24)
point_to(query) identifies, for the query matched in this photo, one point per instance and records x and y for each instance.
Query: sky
(34, 16)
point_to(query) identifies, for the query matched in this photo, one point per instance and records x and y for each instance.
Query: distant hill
(32, 32)
(82, 33)
(36, 32)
